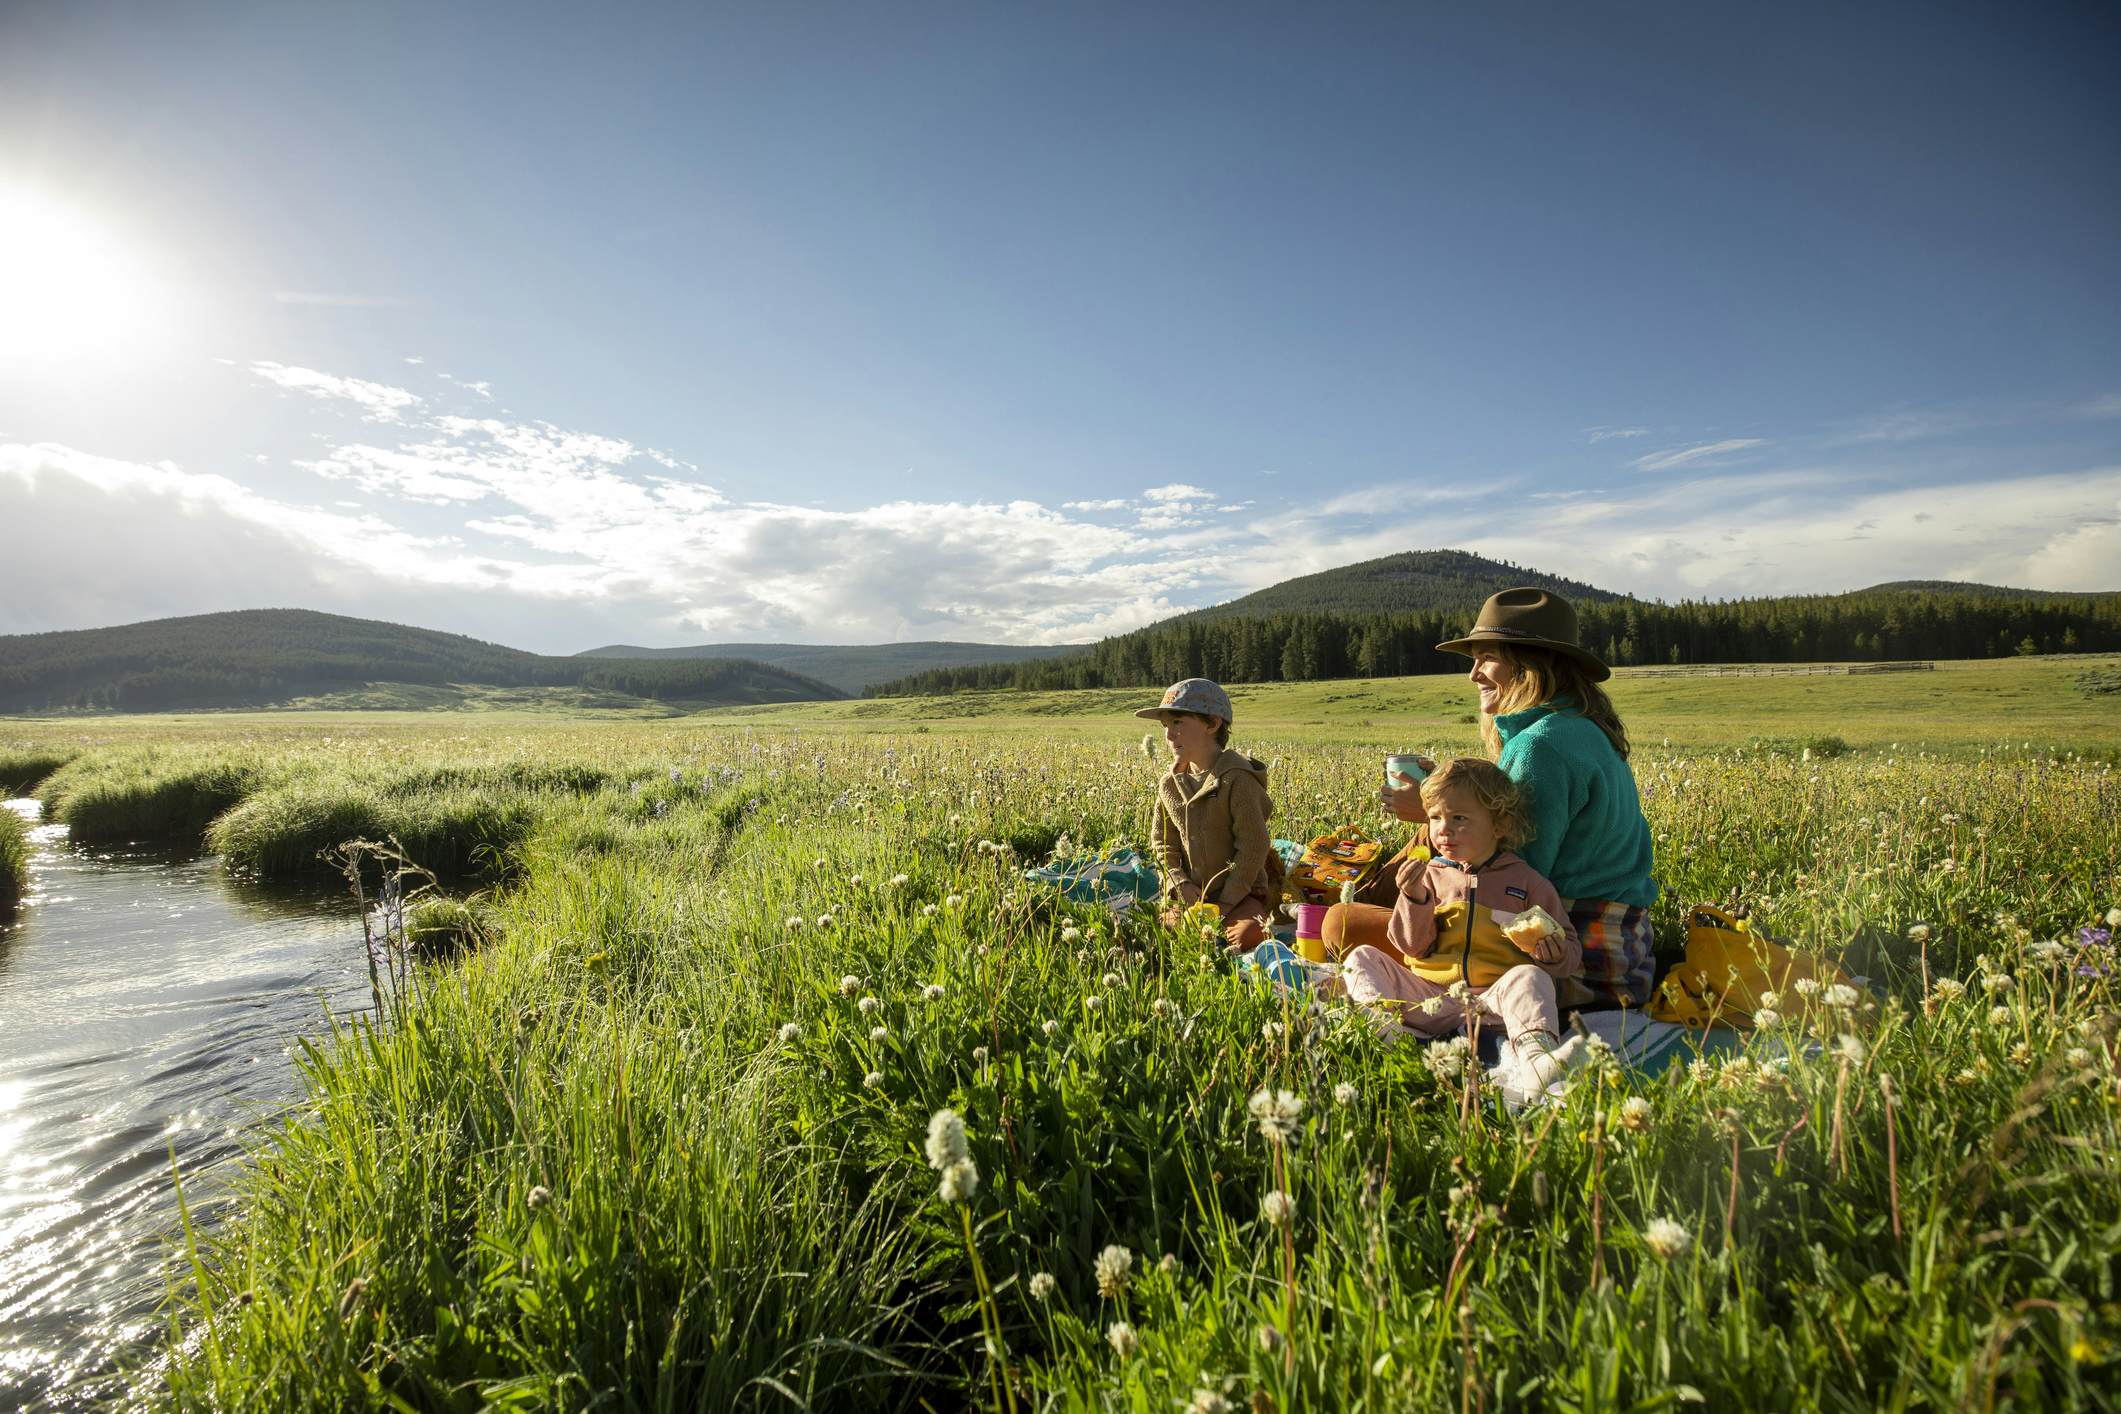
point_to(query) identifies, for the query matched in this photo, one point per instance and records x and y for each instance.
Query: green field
(658, 1141)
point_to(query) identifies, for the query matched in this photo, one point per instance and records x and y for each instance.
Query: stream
(148, 1004)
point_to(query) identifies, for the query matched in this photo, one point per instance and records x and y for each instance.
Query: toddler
(1209, 833)
(1477, 914)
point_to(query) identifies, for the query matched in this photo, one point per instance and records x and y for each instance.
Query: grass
(587, 1164)
(14, 862)
(22, 770)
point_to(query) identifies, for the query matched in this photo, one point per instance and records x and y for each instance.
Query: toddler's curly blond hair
(1495, 793)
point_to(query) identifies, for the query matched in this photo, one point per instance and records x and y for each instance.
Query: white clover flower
(1849, 1048)
(1447, 1060)
(1114, 1265)
(899, 881)
(855, 880)
(1049, 1028)
(1092, 1003)
(2047, 953)
(1344, 1093)
(537, 1197)
(979, 1055)
(1966, 1077)
(946, 1139)
(867, 1006)
(1766, 1019)
(849, 985)
(1270, 1340)
(874, 1080)
(1277, 1113)
(1459, 992)
(1111, 980)
(1168, 1264)
(1666, 1239)
(2113, 917)
(959, 1182)
(1999, 1016)
(1272, 1031)
(1277, 1208)
(1918, 933)
(1206, 1401)
(1433, 1006)
(1120, 1336)
(879, 1034)
(791, 1032)
(927, 910)
(954, 901)
(795, 922)
(1635, 1113)
(1161, 1006)
(1948, 989)
(1841, 995)
(1997, 982)
(825, 920)
(1771, 999)
(1807, 986)
(1070, 933)
(933, 992)
(2077, 1056)
(1042, 1285)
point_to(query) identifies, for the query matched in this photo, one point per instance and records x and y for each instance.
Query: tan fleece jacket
(1210, 832)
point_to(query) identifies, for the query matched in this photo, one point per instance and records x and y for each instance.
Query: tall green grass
(733, 1213)
(21, 770)
(14, 861)
(289, 829)
(147, 793)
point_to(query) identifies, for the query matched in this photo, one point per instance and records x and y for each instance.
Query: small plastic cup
(1408, 766)
(1310, 931)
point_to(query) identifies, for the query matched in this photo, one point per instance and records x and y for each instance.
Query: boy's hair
(1496, 792)
(1222, 731)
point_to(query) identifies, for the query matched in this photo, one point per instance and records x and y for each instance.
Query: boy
(1209, 832)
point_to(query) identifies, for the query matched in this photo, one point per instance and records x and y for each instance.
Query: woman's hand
(1403, 800)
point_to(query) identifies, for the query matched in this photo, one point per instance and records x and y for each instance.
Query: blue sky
(850, 323)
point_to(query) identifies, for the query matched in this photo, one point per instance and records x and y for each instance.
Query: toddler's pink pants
(1522, 998)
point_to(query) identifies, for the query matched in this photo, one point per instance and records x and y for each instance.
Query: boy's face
(1459, 828)
(1190, 738)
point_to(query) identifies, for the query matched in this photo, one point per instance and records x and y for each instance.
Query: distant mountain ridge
(1969, 589)
(254, 656)
(848, 667)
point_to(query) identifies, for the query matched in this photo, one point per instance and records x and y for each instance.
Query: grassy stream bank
(659, 1142)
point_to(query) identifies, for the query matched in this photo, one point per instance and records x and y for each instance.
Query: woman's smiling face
(1492, 676)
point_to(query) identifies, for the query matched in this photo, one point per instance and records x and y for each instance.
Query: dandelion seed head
(1277, 1113)
(959, 1182)
(1666, 1239)
(946, 1139)
(1114, 1265)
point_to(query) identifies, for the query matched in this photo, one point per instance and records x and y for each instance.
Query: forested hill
(849, 667)
(1868, 625)
(268, 655)
(1412, 582)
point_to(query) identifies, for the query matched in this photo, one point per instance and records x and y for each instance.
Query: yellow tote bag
(1727, 968)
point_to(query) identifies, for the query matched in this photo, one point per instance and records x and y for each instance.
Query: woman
(1551, 728)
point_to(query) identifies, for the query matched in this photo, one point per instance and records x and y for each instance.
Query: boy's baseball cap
(1192, 695)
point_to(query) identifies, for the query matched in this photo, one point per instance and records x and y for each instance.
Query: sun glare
(67, 287)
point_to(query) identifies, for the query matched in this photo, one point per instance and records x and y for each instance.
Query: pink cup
(1310, 920)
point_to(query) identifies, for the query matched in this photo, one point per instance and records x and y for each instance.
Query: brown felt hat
(1528, 618)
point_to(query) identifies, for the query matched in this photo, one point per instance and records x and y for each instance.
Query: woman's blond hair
(1542, 676)
(1496, 793)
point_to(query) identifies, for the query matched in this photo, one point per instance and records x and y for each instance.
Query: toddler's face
(1459, 827)
(1190, 738)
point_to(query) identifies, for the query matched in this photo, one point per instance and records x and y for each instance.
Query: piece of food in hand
(1528, 927)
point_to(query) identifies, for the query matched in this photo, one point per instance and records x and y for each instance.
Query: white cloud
(1176, 492)
(1607, 434)
(379, 402)
(1118, 503)
(483, 388)
(1686, 456)
(2106, 406)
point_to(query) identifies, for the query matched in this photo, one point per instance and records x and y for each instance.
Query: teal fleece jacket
(1592, 841)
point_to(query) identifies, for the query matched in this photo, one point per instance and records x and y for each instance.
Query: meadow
(663, 1137)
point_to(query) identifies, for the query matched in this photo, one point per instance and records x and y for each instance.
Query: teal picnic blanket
(1646, 1046)
(1117, 874)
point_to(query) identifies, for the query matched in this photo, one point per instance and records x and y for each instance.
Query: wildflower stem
(1892, 1152)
